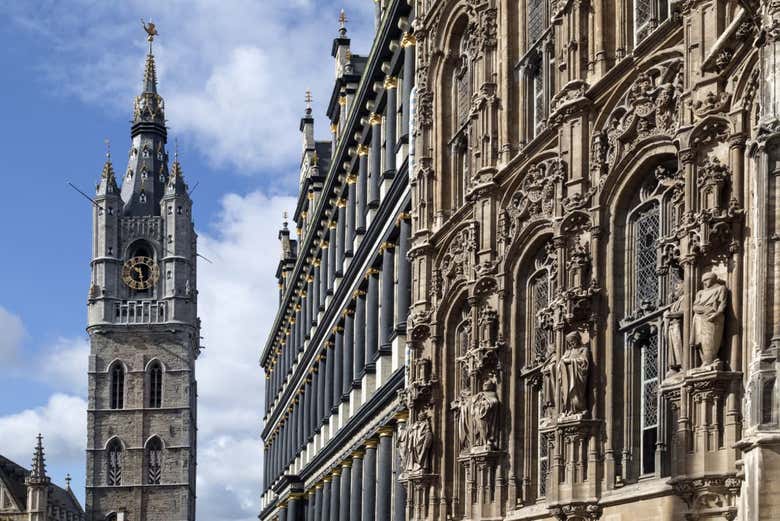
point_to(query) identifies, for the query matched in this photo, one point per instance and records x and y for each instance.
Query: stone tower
(144, 331)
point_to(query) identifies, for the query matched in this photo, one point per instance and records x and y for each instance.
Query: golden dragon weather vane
(151, 31)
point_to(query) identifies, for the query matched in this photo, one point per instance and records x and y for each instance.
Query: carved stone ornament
(650, 107)
(708, 318)
(417, 441)
(458, 263)
(576, 512)
(535, 199)
(673, 326)
(711, 497)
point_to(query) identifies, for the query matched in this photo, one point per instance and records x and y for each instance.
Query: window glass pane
(536, 19)
(645, 238)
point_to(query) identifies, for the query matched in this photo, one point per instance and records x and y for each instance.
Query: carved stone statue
(418, 444)
(548, 387)
(573, 371)
(708, 318)
(402, 443)
(484, 411)
(463, 405)
(673, 322)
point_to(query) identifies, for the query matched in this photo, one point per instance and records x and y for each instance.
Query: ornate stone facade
(594, 209)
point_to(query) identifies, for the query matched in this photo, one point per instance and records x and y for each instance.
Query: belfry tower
(144, 330)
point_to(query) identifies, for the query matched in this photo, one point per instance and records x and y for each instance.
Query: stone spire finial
(38, 471)
(149, 105)
(67, 481)
(176, 182)
(308, 101)
(107, 183)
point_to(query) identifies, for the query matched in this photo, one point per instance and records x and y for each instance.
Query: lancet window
(649, 293)
(154, 461)
(536, 66)
(647, 15)
(155, 385)
(117, 375)
(462, 89)
(114, 463)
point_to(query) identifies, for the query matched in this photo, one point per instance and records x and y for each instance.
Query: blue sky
(233, 75)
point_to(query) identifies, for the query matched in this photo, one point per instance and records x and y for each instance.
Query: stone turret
(37, 486)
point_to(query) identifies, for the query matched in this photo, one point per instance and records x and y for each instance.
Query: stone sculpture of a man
(484, 410)
(419, 443)
(673, 320)
(708, 317)
(573, 371)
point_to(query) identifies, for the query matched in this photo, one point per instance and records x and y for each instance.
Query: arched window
(537, 66)
(648, 291)
(648, 14)
(462, 90)
(117, 376)
(111, 517)
(155, 376)
(114, 463)
(154, 461)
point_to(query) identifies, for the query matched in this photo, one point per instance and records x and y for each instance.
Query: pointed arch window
(117, 391)
(649, 218)
(461, 84)
(114, 463)
(155, 385)
(648, 14)
(536, 66)
(154, 461)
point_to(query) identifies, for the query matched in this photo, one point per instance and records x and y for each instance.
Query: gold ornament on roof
(151, 30)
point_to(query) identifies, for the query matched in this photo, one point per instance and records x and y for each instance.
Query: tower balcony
(140, 312)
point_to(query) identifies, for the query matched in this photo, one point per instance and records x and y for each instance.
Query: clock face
(140, 272)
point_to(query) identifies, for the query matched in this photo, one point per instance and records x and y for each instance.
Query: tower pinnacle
(38, 471)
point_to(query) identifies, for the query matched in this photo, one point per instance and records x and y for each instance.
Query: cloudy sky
(233, 75)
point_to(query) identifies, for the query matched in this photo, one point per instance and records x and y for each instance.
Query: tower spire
(107, 183)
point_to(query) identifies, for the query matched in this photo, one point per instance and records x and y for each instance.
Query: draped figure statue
(573, 371)
(708, 317)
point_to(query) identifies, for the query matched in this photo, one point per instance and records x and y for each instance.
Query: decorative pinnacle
(176, 150)
(308, 99)
(38, 472)
(108, 149)
(284, 220)
(67, 481)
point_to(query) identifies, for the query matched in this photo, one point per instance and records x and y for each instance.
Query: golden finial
(342, 20)
(151, 30)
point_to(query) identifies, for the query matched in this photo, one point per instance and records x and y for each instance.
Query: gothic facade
(592, 330)
(594, 208)
(144, 331)
(335, 358)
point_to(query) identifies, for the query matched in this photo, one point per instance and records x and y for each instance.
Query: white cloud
(233, 73)
(63, 365)
(11, 335)
(237, 299)
(63, 422)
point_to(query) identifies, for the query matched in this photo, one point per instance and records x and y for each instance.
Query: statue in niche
(548, 387)
(573, 370)
(402, 443)
(709, 309)
(484, 411)
(462, 405)
(418, 444)
(673, 322)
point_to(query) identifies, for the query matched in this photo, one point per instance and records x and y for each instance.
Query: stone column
(346, 483)
(341, 230)
(307, 399)
(372, 315)
(309, 307)
(320, 374)
(362, 189)
(408, 43)
(391, 109)
(359, 360)
(282, 512)
(403, 299)
(332, 259)
(335, 493)
(356, 487)
(312, 405)
(375, 173)
(349, 238)
(369, 481)
(325, 516)
(331, 363)
(349, 347)
(318, 502)
(338, 358)
(384, 476)
(386, 318)
(294, 509)
(315, 292)
(310, 505)
(324, 272)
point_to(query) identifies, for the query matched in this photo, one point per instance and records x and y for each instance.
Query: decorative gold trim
(372, 443)
(385, 431)
(342, 100)
(362, 150)
(408, 40)
(391, 82)
(332, 225)
(358, 293)
(351, 179)
(342, 203)
(387, 245)
(371, 271)
(357, 454)
(346, 464)
(333, 128)
(374, 119)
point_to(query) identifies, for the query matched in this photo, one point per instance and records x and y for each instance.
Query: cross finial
(308, 98)
(342, 20)
(108, 148)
